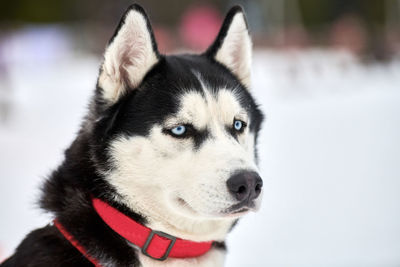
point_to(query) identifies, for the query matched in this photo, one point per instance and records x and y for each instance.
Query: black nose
(245, 185)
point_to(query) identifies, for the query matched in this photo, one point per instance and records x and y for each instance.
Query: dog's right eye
(181, 131)
(178, 131)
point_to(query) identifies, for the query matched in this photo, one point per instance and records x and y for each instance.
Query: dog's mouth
(185, 205)
(241, 208)
(235, 210)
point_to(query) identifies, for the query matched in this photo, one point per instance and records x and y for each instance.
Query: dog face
(178, 133)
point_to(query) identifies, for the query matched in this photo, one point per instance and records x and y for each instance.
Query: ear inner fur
(232, 47)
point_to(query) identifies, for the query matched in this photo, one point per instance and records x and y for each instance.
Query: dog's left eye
(179, 130)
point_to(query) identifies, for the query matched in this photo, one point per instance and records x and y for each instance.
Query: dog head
(176, 135)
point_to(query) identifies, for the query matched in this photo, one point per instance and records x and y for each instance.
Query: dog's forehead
(203, 108)
(204, 92)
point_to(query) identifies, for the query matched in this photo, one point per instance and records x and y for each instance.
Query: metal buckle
(150, 238)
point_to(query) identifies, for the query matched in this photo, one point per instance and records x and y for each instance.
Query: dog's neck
(190, 228)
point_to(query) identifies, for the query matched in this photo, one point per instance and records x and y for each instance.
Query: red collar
(155, 244)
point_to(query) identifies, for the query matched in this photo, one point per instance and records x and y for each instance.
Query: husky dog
(165, 161)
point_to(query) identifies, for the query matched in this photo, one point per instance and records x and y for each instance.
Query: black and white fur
(125, 153)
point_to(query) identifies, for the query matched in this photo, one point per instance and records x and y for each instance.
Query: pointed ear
(233, 46)
(130, 54)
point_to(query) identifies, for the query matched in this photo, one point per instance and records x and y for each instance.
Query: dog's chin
(235, 211)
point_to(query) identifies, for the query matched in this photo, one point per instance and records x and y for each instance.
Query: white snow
(329, 150)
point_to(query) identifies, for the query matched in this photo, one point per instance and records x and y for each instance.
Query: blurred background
(326, 73)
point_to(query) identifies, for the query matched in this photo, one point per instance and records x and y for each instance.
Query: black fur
(68, 190)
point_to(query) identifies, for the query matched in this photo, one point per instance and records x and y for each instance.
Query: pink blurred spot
(199, 26)
(349, 33)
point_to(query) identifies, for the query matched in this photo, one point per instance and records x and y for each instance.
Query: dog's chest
(213, 258)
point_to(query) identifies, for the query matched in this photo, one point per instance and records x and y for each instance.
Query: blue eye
(238, 125)
(179, 130)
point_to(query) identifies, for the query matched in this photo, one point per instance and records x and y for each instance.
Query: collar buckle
(150, 238)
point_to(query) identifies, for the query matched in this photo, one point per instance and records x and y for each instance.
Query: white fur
(236, 49)
(128, 58)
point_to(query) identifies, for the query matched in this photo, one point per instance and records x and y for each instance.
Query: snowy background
(329, 150)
